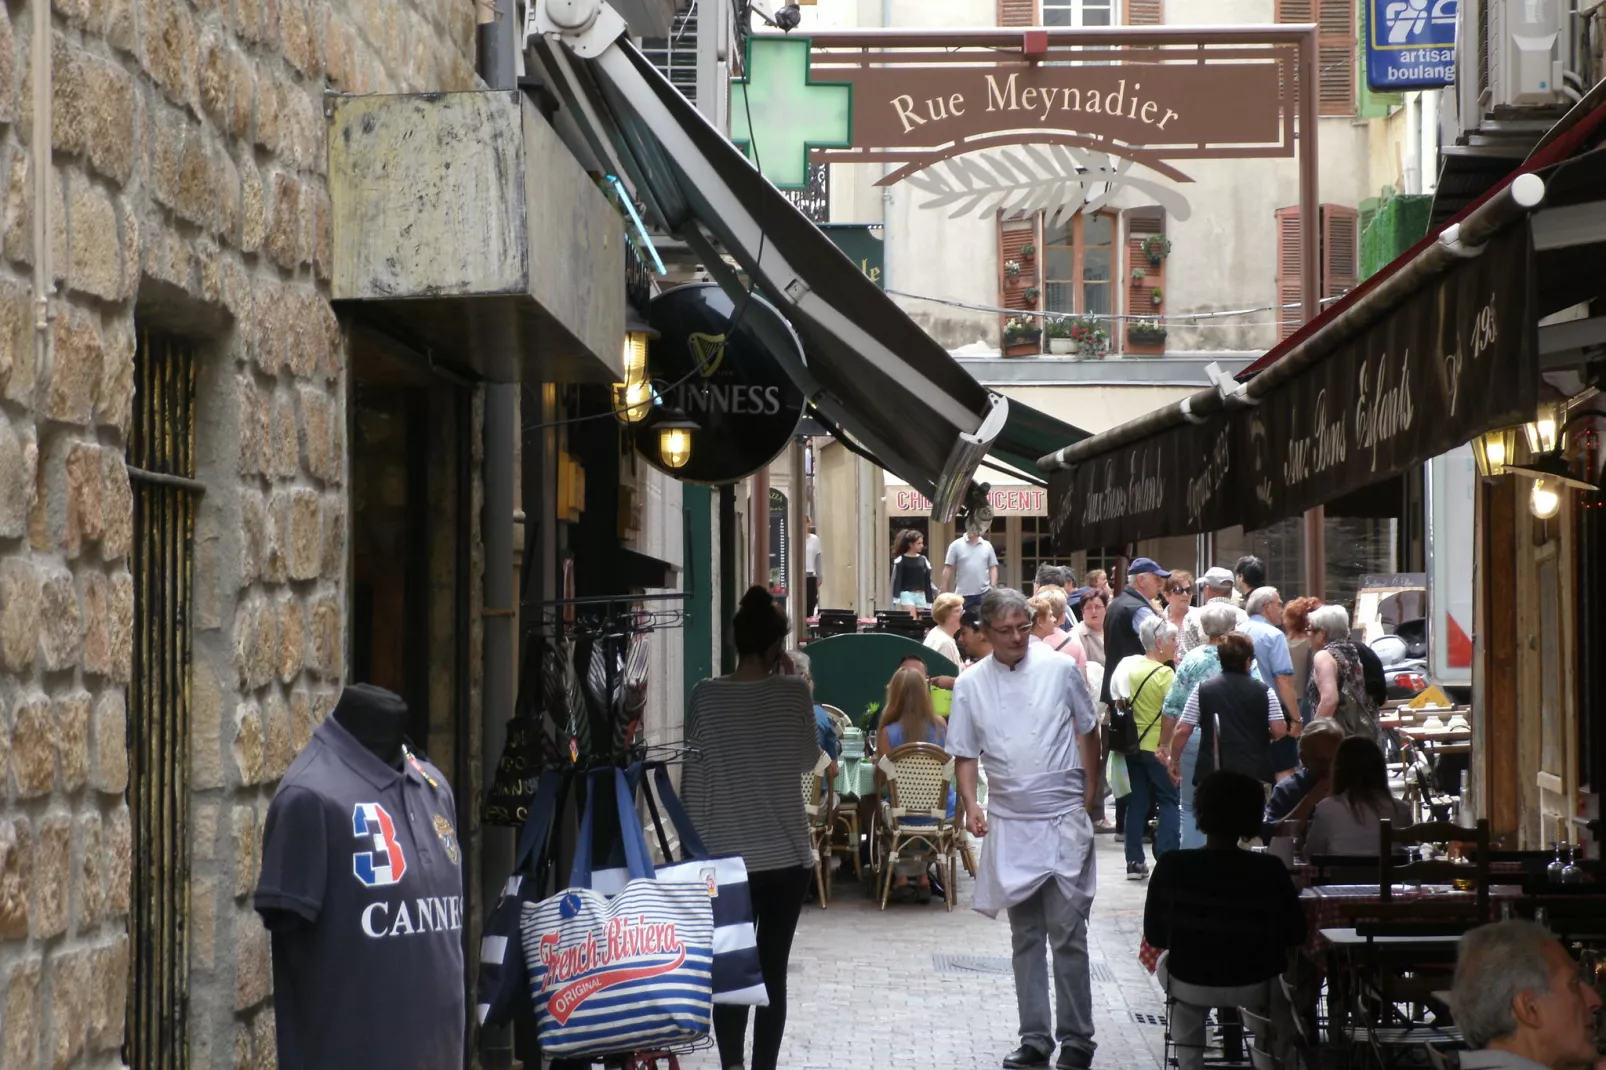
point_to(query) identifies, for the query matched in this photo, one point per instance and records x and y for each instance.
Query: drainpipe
(43, 174)
(498, 48)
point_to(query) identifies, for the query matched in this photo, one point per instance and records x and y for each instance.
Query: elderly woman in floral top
(1201, 663)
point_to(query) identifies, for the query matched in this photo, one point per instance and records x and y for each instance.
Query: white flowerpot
(1061, 347)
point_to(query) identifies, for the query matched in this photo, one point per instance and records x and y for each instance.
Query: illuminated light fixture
(1544, 430)
(1545, 500)
(1553, 469)
(1494, 450)
(674, 437)
(632, 399)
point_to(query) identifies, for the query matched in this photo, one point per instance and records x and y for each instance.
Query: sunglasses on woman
(1182, 590)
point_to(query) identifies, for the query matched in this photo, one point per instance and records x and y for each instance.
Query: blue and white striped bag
(738, 979)
(620, 974)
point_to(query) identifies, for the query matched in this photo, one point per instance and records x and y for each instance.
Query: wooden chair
(1390, 993)
(914, 813)
(819, 806)
(1390, 840)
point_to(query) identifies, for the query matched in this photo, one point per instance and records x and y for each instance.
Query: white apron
(1037, 830)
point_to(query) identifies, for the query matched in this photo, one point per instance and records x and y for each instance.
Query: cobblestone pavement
(870, 990)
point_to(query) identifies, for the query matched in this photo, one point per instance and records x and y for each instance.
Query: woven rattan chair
(914, 813)
(819, 804)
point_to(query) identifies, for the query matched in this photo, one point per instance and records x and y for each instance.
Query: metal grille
(1148, 1019)
(161, 458)
(815, 201)
(970, 964)
(676, 56)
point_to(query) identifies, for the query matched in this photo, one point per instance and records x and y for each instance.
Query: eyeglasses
(1023, 630)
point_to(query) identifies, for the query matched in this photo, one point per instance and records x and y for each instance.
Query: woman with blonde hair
(946, 613)
(1047, 607)
(908, 718)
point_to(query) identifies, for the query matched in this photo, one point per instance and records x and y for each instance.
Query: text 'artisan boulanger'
(1041, 101)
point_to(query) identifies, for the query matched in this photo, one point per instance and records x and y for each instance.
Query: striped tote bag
(737, 976)
(620, 974)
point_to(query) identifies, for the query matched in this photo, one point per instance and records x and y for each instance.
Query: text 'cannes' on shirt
(1024, 720)
(744, 791)
(367, 857)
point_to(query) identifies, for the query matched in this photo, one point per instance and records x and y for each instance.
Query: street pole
(1310, 272)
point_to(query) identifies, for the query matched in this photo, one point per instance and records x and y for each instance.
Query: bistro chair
(1444, 871)
(819, 805)
(1408, 954)
(839, 720)
(914, 813)
(1264, 1044)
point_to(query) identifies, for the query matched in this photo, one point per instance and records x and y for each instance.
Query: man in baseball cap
(1216, 585)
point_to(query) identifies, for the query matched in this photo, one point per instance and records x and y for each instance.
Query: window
(1036, 548)
(1339, 260)
(1078, 12)
(1077, 262)
(1335, 49)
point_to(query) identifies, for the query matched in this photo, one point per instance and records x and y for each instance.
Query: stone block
(253, 209)
(277, 750)
(322, 703)
(248, 744)
(69, 999)
(68, 99)
(263, 1040)
(242, 96)
(85, 520)
(16, 343)
(247, 851)
(19, 462)
(228, 213)
(264, 659)
(285, 451)
(8, 70)
(206, 728)
(16, 876)
(33, 746)
(61, 629)
(133, 265)
(327, 647)
(119, 843)
(334, 535)
(96, 599)
(19, 613)
(302, 354)
(253, 535)
(203, 924)
(91, 883)
(113, 404)
(269, 102)
(109, 773)
(292, 639)
(110, 118)
(300, 43)
(110, 1001)
(169, 48)
(253, 972)
(247, 635)
(213, 78)
(301, 723)
(200, 181)
(94, 244)
(73, 383)
(167, 129)
(21, 1017)
(52, 870)
(203, 831)
(117, 507)
(304, 552)
(283, 238)
(274, 561)
(322, 235)
(19, 214)
(317, 441)
(71, 714)
(255, 427)
(120, 627)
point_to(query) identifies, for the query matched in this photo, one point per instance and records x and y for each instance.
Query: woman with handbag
(1139, 732)
(755, 733)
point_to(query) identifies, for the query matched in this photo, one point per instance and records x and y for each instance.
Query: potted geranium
(1156, 295)
(1031, 295)
(1060, 342)
(1012, 268)
(1139, 274)
(1146, 331)
(1028, 251)
(1156, 247)
(1021, 336)
(1089, 338)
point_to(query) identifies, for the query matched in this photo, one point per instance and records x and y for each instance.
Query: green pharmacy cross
(795, 112)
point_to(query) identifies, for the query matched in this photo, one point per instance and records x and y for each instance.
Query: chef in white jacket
(1026, 712)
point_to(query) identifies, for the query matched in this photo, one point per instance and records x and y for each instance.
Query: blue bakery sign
(1410, 44)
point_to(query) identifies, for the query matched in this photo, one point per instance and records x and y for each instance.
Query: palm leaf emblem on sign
(1057, 179)
(708, 350)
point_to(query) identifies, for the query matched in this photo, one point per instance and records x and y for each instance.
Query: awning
(1028, 434)
(869, 368)
(1434, 349)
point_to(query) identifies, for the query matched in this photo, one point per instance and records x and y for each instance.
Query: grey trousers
(1049, 916)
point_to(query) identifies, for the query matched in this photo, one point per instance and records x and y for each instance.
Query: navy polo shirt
(368, 857)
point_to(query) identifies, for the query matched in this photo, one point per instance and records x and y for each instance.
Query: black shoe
(1025, 1056)
(1137, 871)
(1072, 1060)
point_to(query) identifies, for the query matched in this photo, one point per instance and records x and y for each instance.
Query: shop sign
(1453, 360)
(780, 545)
(863, 245)
(1410, 45)
(1006, 501)
(732, 384)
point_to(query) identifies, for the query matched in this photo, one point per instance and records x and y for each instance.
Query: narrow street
(919, 987)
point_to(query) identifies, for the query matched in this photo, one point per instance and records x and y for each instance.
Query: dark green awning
(1029, 434)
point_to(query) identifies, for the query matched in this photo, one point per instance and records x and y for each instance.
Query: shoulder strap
(1133, 702)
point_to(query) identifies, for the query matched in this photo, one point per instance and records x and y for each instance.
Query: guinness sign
(730, 381)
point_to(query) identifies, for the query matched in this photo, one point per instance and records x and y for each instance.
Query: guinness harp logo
(708, 350)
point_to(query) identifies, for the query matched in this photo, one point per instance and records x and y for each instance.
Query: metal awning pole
(1310, 271)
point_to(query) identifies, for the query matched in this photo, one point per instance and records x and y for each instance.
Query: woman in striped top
(755, 734)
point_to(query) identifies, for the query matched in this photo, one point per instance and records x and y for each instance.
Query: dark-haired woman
(1346, 822)
(911, 572)
(755, 736)
(1226, 917)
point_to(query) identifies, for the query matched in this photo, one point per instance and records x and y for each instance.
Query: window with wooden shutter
(1341, 249)
(1145, 12)
(1017, 12)
(1289, 272)
(1013, 237)
(1142, 223)
(1335, 49)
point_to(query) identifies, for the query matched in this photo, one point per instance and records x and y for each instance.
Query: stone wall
(187, 194)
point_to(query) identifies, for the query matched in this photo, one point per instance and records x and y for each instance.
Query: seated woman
(907, 717)
(1226, 917)
(1346, 822)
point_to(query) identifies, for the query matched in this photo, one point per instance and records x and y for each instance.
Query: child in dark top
(1227, 917)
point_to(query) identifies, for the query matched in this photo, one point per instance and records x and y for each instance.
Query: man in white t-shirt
(971, 568)
(1027, 712)
(813, 566)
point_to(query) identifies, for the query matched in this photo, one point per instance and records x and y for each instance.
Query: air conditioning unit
(1526, 43)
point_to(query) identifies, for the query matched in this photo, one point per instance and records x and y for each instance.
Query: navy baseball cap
(1142, 565)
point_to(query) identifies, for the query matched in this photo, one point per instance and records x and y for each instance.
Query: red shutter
(1013, 234)
(1140, 223)
(1289, 273)
(1335, 49)
(1341, 241)
(1145, 12)
(1017, 13)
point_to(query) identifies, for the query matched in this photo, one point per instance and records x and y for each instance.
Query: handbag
(622, 974)
(737, 976)
(503, 988)
(1124, 735)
